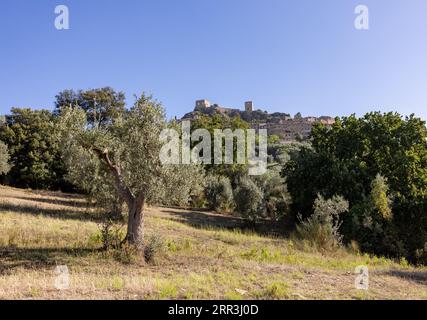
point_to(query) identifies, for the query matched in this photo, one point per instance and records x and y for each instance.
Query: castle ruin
(287, 128)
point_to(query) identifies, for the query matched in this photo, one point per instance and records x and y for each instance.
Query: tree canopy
(125, 154)
(33, 148)
(370, 161)
(100, 105)
(4, 159)
(346, 158)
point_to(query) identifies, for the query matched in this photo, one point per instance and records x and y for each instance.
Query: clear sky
(285, 55)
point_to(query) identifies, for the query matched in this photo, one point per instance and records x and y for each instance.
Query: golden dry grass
(205, 256)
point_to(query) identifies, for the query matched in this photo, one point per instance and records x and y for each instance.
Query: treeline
(361, 181)
(378, 163)
(32, 137)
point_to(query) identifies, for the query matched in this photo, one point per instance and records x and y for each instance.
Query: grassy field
(204, 256)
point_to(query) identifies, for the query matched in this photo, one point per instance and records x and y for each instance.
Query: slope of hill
(205, 256)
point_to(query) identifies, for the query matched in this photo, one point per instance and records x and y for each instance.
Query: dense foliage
(125, 155)
(321, 229)
(101, 106)
(379, 164)
(360, 180)
(4, 159)
(219, 193)
(34, 149)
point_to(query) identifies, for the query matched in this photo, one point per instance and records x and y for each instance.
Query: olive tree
(125, 158)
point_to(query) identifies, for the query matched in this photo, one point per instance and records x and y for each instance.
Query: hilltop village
(283, 125)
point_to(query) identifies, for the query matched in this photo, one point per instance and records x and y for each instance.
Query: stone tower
(248, 106)
(202, 104)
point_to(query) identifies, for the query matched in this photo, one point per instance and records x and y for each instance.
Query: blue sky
(289, 56)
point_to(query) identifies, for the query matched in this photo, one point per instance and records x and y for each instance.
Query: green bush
(321, 230)
(276, 199)
(249, 199)
(218, 193)
(370, 223)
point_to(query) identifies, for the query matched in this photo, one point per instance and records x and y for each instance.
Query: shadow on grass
(203, 220)
(57, 194)
(61, 213)
(56, 201)
(11, 258)
(414, 276)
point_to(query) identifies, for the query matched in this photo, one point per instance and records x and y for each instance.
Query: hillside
(205, 256)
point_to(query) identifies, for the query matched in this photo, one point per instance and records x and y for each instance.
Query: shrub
(184, 186)
(218, 193)
(111, 235)
(372, 225)
(276, 199)
(321, 229)
(248, 198)
(153, 246)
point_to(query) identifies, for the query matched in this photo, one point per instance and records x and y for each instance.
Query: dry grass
(205, 256)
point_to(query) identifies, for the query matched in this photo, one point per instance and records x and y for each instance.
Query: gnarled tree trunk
(135, 203)
(135, 231)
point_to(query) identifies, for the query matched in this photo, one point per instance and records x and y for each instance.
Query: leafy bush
(184, 186)
(321, 230)
(218, 193)
(276, 199)
(248, 198)
(370, 222)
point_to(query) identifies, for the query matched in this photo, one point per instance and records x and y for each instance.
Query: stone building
(202, 104)
(288, 129)
(248, 106)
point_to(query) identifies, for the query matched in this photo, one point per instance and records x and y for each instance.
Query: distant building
(288, 129)
(201, 104)
(248, 106)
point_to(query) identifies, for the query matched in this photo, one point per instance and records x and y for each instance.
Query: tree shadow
(56, 201)
(61, 213)
(31, 258)
(414, 276)
(56, 194)
(202, 220)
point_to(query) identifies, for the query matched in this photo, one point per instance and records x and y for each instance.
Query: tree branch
(115, 169)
